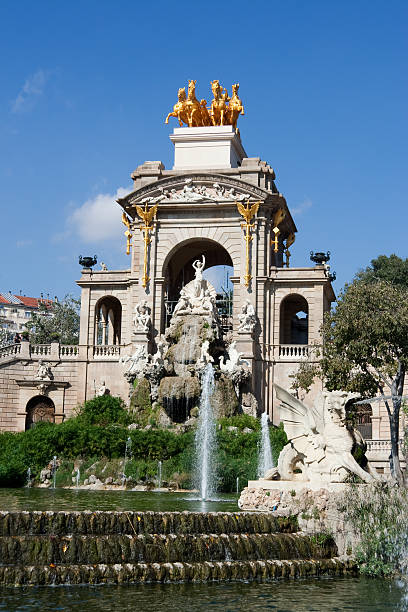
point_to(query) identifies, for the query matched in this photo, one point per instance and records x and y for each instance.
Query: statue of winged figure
(320, 441)
(248, 212)
(147, 214)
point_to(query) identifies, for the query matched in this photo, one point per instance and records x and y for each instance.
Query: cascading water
(265, 460)
(205, 438)
(29, 478)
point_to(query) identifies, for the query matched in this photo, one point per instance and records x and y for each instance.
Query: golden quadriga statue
(223, 110)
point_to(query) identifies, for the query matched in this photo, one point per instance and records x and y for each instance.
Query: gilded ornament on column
(126, 221)
(247, 212)
(193, 113)
(147, 215)
(277, 220)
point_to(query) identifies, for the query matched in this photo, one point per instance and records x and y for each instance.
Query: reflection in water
(71, 499)
(326, 595)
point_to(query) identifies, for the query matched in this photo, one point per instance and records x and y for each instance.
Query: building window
(27, 314)
(294, 324)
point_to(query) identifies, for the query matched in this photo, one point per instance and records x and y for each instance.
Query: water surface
(323, 595)
(71, 499)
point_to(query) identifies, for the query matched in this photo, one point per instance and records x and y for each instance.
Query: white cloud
(23, 243)
(98, 219)
(303, 207)
(32, 89)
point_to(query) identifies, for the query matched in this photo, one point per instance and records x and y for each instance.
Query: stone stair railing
(10, 350)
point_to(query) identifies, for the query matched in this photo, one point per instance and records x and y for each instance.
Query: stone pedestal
(207, 147)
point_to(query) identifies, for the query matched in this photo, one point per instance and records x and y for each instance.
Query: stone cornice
(154, 190)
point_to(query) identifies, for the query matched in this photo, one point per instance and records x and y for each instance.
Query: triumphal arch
(215, 206)
(218, 203)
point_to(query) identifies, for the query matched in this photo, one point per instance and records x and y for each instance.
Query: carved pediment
(195, 188)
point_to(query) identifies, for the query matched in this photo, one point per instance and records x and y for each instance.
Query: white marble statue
(234, 360)
(44, 371)
(205, 356)
(104, 267)
(141, 317)
(158, 357)
(102, 389)
(135, 363)
(198, 266)
(247, 318)
(320, 441)
(198, 296)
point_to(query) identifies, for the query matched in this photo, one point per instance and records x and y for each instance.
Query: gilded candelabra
(277, 219)
(247, 212)
(147, 215)
(128, 233)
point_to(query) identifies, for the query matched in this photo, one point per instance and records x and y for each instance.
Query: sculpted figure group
(223, 110)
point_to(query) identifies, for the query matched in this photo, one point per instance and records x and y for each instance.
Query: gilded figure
(193, 113)
(180, 109)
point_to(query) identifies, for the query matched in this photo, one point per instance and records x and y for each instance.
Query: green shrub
(103, 411)
(241, 421)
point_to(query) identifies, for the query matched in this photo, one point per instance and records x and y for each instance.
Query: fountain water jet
(77, 477)
(54, 470)
(159, 474)
(265, 461)
(205, 438)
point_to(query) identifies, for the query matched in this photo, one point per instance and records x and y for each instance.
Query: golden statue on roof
(193, 113)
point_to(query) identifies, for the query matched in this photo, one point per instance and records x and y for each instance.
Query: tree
(392, 269)
(60, 322)
(365, 349)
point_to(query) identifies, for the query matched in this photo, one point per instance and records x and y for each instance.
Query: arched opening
(294, 325)
(364, 421)
(39, 408)
(178, 271)
(108, 321)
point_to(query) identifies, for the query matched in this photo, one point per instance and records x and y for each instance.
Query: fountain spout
(265, 460)
(205, 439)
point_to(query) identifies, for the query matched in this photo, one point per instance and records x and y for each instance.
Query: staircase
(48, 548)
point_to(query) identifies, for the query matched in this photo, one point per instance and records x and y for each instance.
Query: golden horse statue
(193, 106)
(223, 110)
(235, 108)
(219, 103)
(180, 109)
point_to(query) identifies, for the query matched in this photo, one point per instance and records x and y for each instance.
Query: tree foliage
(365, 342)
(58, 323)
(391, 269)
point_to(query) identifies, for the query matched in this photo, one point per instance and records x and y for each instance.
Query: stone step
(155, 548)
(135, 523)
(173, 572)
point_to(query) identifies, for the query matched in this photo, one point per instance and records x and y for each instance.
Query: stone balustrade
(69, 351)
(293, 352)
(106, 351)
(40, 350)
(10, 350)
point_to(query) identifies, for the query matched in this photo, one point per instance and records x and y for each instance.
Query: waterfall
(205, 438)
(265, 460)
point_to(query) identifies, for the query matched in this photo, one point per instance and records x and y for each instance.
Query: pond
(72, 499)
(323, 595)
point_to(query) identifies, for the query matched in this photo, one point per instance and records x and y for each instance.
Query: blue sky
(85, 87)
